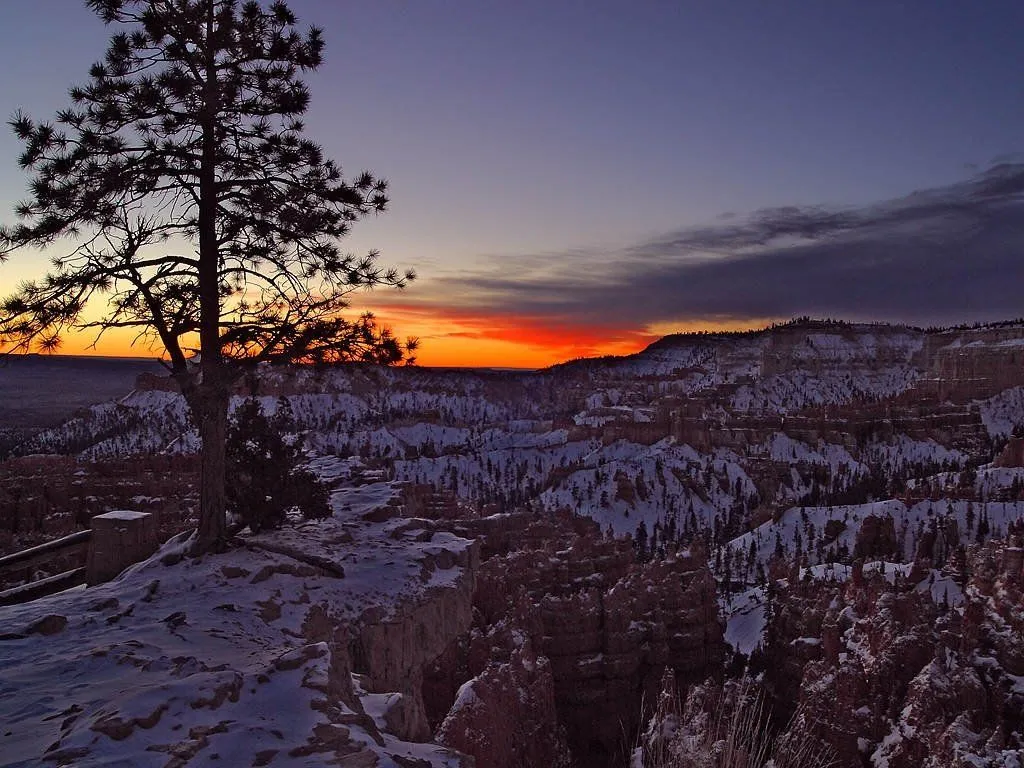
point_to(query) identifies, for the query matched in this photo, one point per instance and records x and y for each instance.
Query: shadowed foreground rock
(505, 717)
(575, 612)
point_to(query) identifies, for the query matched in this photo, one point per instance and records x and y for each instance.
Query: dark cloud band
(937, 256)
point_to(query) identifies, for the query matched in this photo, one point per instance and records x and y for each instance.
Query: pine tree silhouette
(194, 206)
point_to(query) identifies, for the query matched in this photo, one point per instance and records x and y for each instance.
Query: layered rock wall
(607, 626)
(392, 649)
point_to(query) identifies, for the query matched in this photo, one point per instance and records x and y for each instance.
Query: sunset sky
(578, 178)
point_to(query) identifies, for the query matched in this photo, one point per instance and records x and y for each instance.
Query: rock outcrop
(897, 679)
(577, 611)
(392, 647)
(506, 717)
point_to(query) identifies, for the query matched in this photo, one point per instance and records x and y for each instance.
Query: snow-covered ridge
(716, 431)
(707, 443)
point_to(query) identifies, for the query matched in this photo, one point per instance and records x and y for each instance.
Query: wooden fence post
(119, 539)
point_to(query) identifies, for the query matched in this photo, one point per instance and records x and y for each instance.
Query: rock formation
(575, 612)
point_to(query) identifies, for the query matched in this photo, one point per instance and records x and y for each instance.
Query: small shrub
(263, 473)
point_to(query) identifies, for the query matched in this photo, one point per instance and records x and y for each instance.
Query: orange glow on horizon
(460, 338)
(116, 342)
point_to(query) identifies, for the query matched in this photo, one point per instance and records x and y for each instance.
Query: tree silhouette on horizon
(193, 206)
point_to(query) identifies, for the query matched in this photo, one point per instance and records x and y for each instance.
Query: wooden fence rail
(28, 558)
(76, 545)
(115, 541)
(43, 587)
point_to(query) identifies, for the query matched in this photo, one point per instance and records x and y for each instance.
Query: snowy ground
(220, 660)
(745, 619)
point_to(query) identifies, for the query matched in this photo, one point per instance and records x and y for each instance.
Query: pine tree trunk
(211, 412)
(212, 392)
